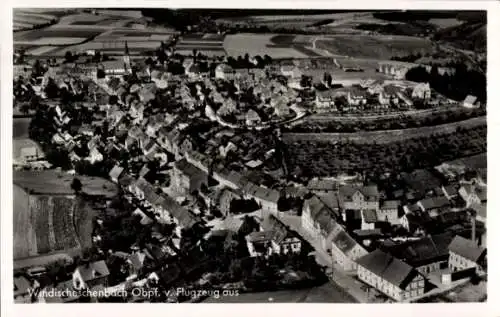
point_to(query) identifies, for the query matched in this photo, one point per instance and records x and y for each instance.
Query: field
(386, 136)
(30, 18)
(79, 32)
(380, 47)
(258, 44)
(42, 224)
(51, 182)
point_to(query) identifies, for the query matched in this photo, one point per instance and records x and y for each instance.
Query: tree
(68, 57)
(76, 185)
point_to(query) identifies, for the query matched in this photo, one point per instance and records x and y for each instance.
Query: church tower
(126, 59)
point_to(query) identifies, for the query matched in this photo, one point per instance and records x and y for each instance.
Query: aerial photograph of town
(249, 156)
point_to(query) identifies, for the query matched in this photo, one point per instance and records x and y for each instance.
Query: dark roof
(184, 216)
(466, 248)
(424, 251)
(435, 202)
(451, 190)
(369, 192)
(330, 200)
(279, 229)
(93, 270)
(370, 215)
(322, 214)
(344, 241)
(189, 169)
(388, 267)
(390, 204)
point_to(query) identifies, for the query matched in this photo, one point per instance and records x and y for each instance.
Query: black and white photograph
(181, 155)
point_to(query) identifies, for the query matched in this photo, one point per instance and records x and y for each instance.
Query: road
(339, 277)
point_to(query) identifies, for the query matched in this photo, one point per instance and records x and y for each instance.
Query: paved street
(348, 283)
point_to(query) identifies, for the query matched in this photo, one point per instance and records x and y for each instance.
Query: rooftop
(388, 267)
(466, 248)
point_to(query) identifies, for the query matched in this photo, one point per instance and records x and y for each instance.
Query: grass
(51, 182)
(257, 44)
(380, 47)
(54, 33)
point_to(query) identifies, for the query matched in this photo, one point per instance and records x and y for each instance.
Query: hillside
(469, 36)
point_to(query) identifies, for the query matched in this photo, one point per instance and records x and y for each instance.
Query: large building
(390, 276)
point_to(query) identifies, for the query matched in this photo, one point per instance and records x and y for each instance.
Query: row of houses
(386, 95)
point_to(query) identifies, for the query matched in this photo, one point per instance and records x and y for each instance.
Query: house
(170, 211)
(319, 220)
(389, 95)
(114, 68)
(345, 250)
(421, 91)
(417, 222)
(252, 118)
(427, 255)
(188, 178)
(259, 243)
(115, 173)
(465, 254)
(225, 199)
(388, 212)
(90, 274)
(291, 71)
(358, 198)
(224, 71)
(396, 69)
(434, 205)
(473, 194)
(266, 198)
(368, 219)
(325, 99)
(356, 96)
(283, 240)
(450, 191)
(136, 262)
(390, 276)
(471, 102)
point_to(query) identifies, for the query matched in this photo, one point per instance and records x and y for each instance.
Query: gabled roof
(184, 216)
(93, 270)
(424, 251)
(390, 204)
(279, 230)
(388, 267)
(435, 202)
(137, 260)
(466, 248)
(369, 192)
